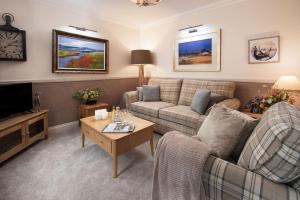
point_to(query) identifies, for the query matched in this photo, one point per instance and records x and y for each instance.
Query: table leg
(82, 139)
(151, 146)
(114, 166)
(114, 160)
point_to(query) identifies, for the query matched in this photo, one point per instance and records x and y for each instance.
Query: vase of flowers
(88, 96)
(276, 95)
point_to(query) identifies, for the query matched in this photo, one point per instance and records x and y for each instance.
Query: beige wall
(38, 19)
(239, 22)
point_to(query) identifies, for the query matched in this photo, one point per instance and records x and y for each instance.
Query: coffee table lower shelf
(116, 144)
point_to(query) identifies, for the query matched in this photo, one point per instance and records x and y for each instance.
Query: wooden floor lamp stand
(141, 75)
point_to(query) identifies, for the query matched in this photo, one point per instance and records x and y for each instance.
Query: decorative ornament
(12, 41)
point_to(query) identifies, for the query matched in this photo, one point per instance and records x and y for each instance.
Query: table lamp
(141, 57)
(287, 83)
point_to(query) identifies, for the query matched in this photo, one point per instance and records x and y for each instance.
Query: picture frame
(73, 53)
(264, 50)
(198, 53)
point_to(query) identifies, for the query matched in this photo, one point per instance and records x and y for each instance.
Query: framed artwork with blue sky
(78, 53)
(200, 52)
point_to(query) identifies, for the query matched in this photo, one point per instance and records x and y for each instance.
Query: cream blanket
(178, 164)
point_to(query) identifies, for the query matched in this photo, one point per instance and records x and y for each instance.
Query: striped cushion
(273, 149)
(182, 115)
(189, 88)
(149, 108)
(169, 89)
(163, 126)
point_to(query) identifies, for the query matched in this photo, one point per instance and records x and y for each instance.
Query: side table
(254, 115)
(89, 110)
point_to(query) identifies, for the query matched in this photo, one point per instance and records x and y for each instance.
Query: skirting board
(64, 126)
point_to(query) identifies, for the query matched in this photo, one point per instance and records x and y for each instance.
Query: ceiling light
(145, 2)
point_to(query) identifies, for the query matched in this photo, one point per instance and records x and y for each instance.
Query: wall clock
(12, 41)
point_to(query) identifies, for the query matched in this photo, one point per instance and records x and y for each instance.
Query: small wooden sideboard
(89, 110)
(253, 115)
(19, 132)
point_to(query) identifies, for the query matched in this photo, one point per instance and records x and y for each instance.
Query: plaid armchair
(226, 181)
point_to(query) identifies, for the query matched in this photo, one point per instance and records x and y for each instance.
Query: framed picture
(80, 54)
(198, 53)
(264, 50)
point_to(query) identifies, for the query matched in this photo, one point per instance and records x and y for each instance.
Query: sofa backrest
(169, 89)
(189, 87)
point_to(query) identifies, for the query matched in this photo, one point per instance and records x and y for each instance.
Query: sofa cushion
(251, 123)
(215, 98)
(189, 88)
(200, 101)
(169, 89)
(140, 93)
(149, 108)
(221, 130)
(182, 115)
(151, 93)
(273, 149)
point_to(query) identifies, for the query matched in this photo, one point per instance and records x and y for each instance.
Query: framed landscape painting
(77, 53)
(198, 53)
(264, 50)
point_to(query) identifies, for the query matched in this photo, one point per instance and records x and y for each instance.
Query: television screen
(15, 98)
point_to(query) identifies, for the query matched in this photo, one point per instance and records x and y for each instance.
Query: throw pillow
(221, 130)
(151, 93)
(251, 123)
(200, 101)
(273, 149)
(140, 93)
(215, 98)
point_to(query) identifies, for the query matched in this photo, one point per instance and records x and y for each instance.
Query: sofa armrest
(130, 97)
(225, 180)
(231, 103)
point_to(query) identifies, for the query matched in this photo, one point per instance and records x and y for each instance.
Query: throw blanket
(178, 164)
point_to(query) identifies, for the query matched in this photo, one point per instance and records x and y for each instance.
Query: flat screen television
(15, 98)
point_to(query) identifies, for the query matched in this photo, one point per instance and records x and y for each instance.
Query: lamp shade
(287, 83)
(140, 57)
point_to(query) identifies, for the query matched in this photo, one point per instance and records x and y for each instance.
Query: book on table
(118, 127)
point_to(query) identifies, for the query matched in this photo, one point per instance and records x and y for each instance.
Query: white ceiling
(129, 14)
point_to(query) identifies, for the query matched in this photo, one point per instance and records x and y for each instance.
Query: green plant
(276, 95)
(88, 96)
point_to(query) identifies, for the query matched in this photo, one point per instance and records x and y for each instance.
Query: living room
(243, 50)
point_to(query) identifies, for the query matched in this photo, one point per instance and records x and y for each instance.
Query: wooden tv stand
(19, 132)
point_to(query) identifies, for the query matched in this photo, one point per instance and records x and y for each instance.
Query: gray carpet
(59, 169)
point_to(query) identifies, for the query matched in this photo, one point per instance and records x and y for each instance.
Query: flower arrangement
(88, 96)
(276, 95)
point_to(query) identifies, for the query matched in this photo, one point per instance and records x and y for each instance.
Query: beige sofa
(173, 111)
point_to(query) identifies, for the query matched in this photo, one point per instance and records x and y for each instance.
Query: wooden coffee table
(117, 143)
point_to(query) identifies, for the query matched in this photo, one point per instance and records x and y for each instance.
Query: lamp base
(141, 75)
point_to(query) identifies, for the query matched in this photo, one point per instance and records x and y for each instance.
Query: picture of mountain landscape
(78, 53)
(195, 52)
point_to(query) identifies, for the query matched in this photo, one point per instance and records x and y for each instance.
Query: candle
(98, 114)
(101, 114)
(105, 114)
